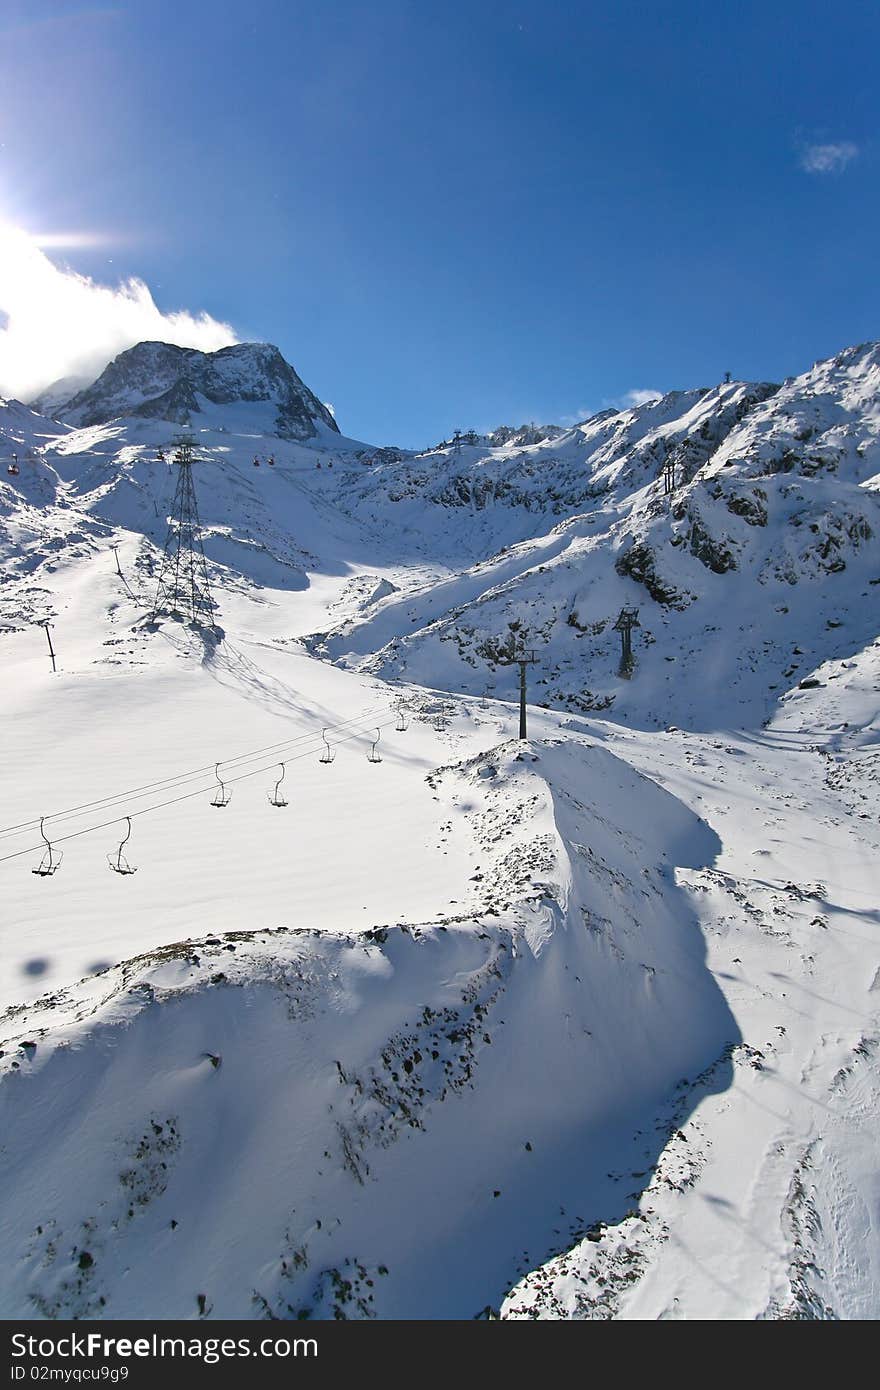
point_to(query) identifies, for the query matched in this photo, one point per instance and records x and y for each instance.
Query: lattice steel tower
(183, 588)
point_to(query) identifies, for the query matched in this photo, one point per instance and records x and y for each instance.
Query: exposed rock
(751, 506)
(716, 555)
(639, 563)
(164, 382)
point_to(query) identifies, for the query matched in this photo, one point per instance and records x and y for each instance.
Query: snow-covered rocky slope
(384, 1122)
(758, 565)
(163, 382)
(583, 1027)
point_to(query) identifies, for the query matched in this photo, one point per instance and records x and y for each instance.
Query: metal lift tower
(183, 588)
(627, 619)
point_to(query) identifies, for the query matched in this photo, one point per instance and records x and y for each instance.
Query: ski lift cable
(173, 801)
(186, 796)
(181, 776)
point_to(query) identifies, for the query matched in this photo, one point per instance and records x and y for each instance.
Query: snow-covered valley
(583, 1026)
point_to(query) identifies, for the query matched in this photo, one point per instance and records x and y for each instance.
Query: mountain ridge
(162, 381)
(771, 519)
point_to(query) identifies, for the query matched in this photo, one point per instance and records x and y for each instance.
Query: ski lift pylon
(275, 797)
(373, 756)
(116, 861)
(222, 795)
(329, 753)
(50, 860)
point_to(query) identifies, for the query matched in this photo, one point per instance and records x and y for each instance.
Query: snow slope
(585, 1027)
(320, 1103)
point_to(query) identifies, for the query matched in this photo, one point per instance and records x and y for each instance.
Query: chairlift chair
(329, 753)
(50, 860)
(403, 720)
(373, 756)
(13, 469)
(222, 795)
(256, 462)
(275, 797)
(117, 862)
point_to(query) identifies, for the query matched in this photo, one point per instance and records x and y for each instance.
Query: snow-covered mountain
(757, 565)
(162, 382)
(442, 1024)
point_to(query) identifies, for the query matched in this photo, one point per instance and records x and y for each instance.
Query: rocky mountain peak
(164, 382)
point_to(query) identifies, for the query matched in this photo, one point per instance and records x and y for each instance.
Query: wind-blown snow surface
(585, 1027)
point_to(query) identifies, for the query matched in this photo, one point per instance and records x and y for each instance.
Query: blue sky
(464, 214)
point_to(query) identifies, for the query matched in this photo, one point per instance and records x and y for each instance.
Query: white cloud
(56, 324)
(828, 159)
(638, 396)
(628, 401)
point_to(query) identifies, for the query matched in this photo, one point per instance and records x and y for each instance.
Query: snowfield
(581, 1027)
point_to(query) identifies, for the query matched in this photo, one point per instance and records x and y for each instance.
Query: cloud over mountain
(58, 325)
